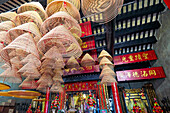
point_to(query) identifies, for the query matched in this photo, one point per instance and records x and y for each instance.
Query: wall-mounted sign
(81, 86)
(135, 57)
(80, 70)
(139, 74)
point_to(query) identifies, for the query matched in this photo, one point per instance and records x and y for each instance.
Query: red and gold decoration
(139, 74)
(135, 57)
(38, 110)
(56, 102)
(136, 108)
(156, 107)
(81, 86)
(29, 109)
(91, 101)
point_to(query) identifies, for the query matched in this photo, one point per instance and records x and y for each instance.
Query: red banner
(139, 74)
(86, 28)
(81, 86)
(80, 70)
(135, 57)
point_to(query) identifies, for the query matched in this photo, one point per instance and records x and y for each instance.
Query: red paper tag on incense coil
(65, 5)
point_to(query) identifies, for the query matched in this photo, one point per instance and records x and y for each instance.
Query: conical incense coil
(24, 42)
(33, 6)
(16, 62)
(102, 10)
(61, 18)
(7, 25)
(46, 79)
(73, 50)
(5, 66)
(29, 83)
(87, 60)
(8, 16)
(56, 88)
(42, 87)
(105, 54)
(47, 71)
(72, 63)
(30, 66)
(48, 63)
(107, 71)
(108, 79)
(63, 5)
(34, 74)
(29, 27)
(28, 16)
(10, 75)
(76, 3)
(62, 35)
(58, 71)
(4, 38)
(105, 61)
(31, 58)
(58, 78)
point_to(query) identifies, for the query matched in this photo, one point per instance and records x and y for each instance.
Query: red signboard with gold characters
(139, 74)
(135, 57)
(81, 86)
(80, 70)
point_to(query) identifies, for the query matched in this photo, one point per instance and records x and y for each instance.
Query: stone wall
(162, 49)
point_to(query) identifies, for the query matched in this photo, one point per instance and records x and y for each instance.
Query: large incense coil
(104, 54)
(108, 79)
(63, 5)
(16, 62)
(24, 42)
(4, 38)
(73, 50)
(29, 27)
(42, 87)
(107, 71)
(17, 52)
(87, 60)
(56, 88)
(105, 61)
(46, 71)
(7, 16)
(62, 35)
(45, 79)
(30, 66)
(72, 63)
(33, 6)
(34, 74)
(29, 83)
(28, 16)
(48, 63)
(74, 2)
(58, 78)
(61, 18)
(10, 75)
(58, 71)
(7, 25)
(109, 9)
(31, 58)
(53, 53)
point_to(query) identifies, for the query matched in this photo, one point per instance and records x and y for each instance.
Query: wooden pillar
(47, 100)
(116, 98)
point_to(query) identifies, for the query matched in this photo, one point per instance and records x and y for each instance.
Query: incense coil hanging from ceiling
(101, 11)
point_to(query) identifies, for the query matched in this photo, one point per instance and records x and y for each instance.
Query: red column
(47, 100)
(116, 98)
